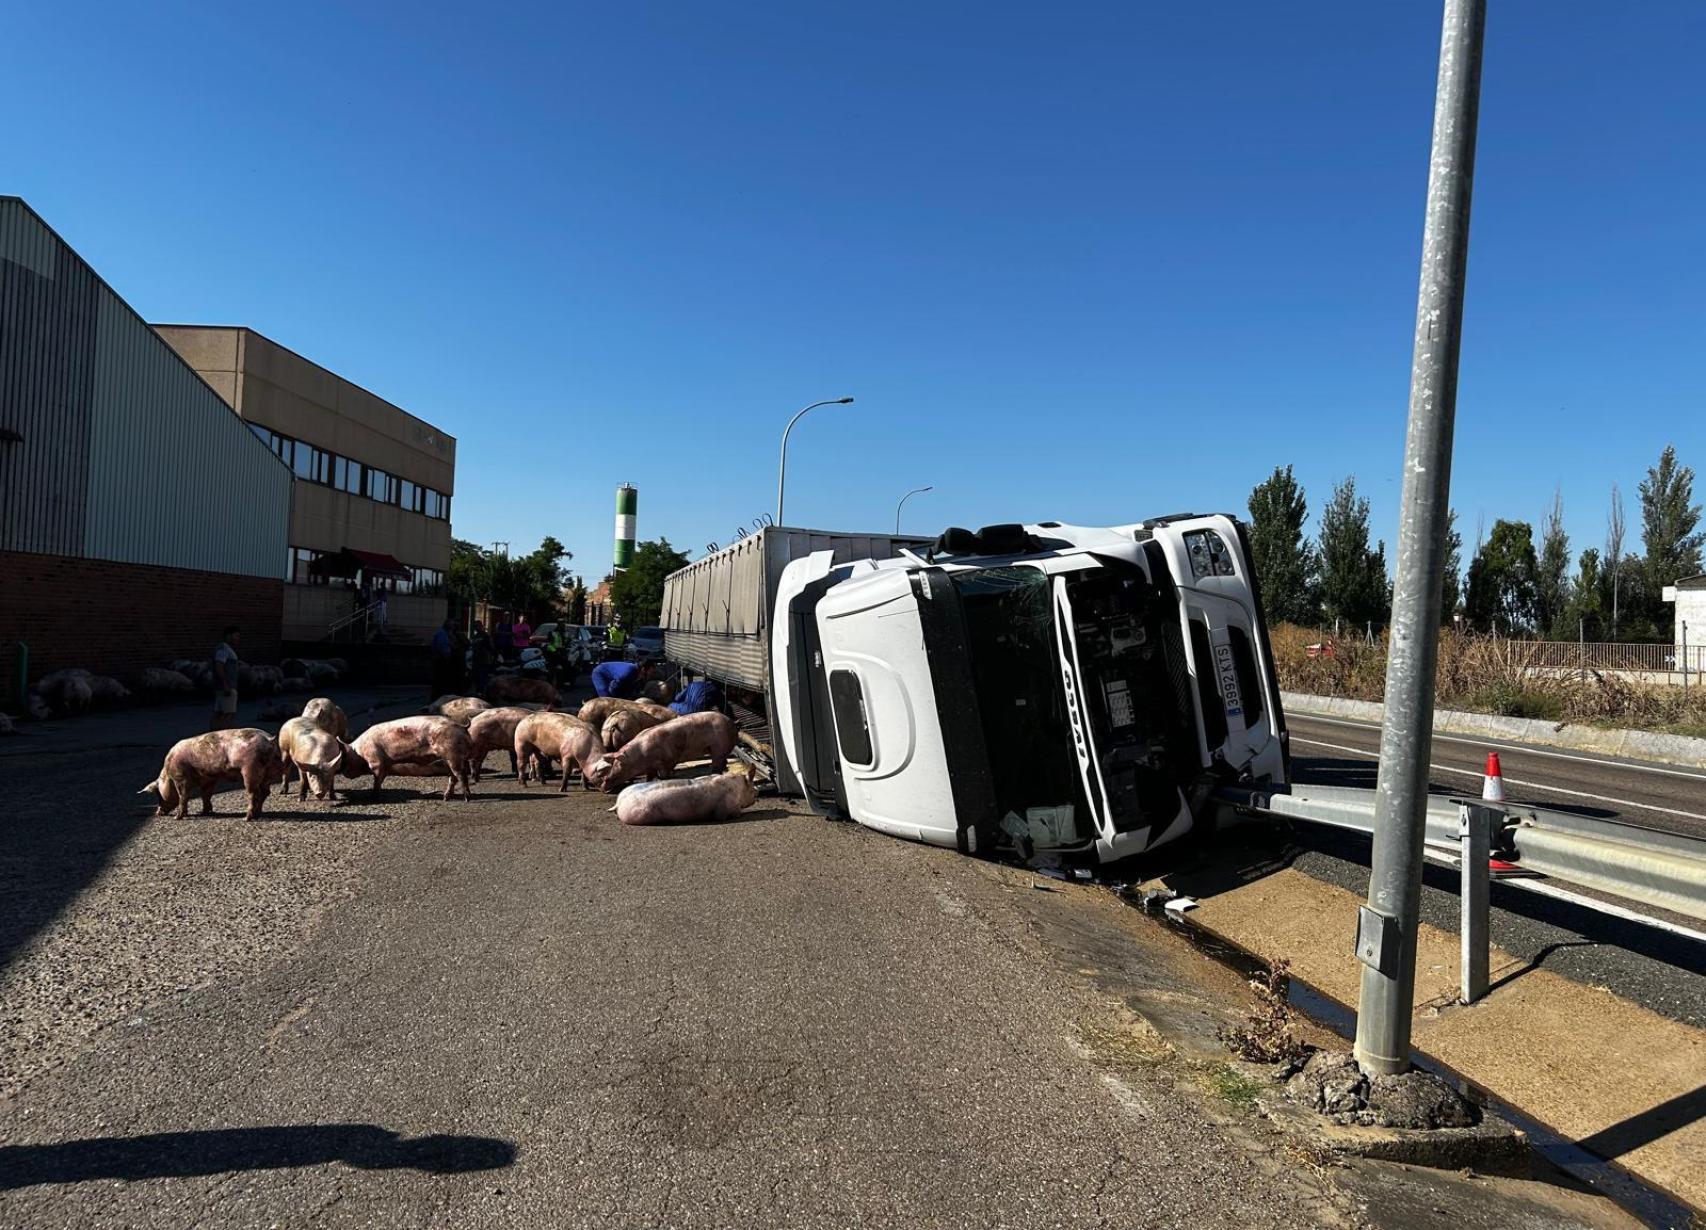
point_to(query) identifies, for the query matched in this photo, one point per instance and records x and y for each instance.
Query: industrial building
(138, 515)
(374, 483)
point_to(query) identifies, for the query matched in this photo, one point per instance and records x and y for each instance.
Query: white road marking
(1517, 781)
(1524, 748)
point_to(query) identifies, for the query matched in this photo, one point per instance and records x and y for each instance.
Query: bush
(1487, 674)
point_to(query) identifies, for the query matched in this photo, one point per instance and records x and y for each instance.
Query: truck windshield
(1009, 623)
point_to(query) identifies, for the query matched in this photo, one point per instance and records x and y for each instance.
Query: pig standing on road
(506, 689)
(717, 797)
(492, 730)
(325, 714)
(545, 736)
(655, 753)
(413, 747)
(459, 709)
(311, 751)
(201, 764)
(624, 724)
(599, 709)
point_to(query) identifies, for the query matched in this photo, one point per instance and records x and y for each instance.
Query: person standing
(484, 656)
(443, 647)
(616, 637)
(521, 634)
(225, 664)
(381, 612)
(503, 636)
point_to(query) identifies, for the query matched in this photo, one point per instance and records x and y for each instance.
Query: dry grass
(1486, 674)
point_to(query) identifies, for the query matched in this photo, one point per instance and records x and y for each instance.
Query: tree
(1585, 613)
(1552, 579)
(1502, 590)
(1353, 578)
(1668, 520)
(1451, 588)
(1284, 560)
(574, 602)
(1613, 564)
(637, 592)
(530, 584)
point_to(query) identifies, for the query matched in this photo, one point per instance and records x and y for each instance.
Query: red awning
(349, 561)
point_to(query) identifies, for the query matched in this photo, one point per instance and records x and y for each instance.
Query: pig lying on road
(624, 724)
(459, 709)
(494, 730)
(687, 799)
(311, 751)
(544, 736)
(413, 747)
(200, 765)
(325, 714)
(655, 752)
(506, 689)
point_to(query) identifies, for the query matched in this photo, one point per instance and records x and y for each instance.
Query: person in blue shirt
(620, 679)
(700, 696)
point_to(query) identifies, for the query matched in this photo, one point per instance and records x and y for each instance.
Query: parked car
(646, 644)
(542, 633)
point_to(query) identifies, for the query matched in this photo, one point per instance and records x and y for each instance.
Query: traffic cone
(1493, 787)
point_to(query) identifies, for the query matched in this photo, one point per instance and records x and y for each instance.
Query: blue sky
(1076, 262)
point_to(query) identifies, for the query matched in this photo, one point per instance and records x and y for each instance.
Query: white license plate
(1228, 681)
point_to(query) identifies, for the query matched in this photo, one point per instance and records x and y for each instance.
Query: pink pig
(540, 737)
(655, 752)
(413, 747)
(202, 763)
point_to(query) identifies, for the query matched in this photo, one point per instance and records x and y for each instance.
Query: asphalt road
(516, 1012)
(1336, 751)
(1664, 972)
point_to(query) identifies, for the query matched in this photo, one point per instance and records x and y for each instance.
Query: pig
(324, 713)
(155, 679)
(321, 672)
(295, 683)
(202, 763)
(657, 691)
(421, 746)
(505, 689)
(717, 797)
(597, 710)
(64, 696)
(459, 709)
(104, 689)
(624, 724)
(655, 752)
(492, 730)
(544, 736)
(311, 751)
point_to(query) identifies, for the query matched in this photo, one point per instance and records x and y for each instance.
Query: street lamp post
(782, 467)
(902, 504)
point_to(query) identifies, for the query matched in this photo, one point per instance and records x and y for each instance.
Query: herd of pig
(74, 690)
(609, 743)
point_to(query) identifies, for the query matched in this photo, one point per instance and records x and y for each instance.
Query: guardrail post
(1476, 829)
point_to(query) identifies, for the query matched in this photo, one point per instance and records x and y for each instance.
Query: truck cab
(1030, 689)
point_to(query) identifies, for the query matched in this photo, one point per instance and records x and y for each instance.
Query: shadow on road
(189, 1154)
(1642, 1129)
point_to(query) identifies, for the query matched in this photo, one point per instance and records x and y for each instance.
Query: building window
(410, 496)
(297, 567)
(314, 465)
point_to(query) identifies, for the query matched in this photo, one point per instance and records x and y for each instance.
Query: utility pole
(1386, 926)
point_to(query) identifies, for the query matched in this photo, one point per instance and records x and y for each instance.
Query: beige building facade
(372, 496)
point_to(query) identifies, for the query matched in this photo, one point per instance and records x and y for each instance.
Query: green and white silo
(627, 504)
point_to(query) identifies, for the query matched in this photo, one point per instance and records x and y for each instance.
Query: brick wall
(117, 618)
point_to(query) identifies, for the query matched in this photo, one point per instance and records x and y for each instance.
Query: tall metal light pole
(782, 469)
(902, 504)
(1386, 926)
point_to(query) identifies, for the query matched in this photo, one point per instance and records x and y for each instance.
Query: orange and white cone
(1493, 786)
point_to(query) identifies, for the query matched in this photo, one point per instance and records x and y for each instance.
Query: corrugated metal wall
(127, 454)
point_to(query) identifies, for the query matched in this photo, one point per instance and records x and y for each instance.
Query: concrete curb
(1630, 744)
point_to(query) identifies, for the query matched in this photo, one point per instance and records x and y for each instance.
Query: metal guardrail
(1664, 871)
(1606, 656)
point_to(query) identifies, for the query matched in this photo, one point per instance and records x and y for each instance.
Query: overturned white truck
(1028, 689)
